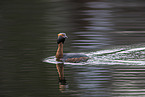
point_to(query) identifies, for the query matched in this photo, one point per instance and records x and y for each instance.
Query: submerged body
(68, 57)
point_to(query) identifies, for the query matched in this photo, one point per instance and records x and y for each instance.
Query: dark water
(111, 32)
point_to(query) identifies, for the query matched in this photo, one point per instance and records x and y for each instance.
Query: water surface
(111, 33)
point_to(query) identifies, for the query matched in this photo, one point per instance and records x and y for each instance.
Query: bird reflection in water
(62, 81)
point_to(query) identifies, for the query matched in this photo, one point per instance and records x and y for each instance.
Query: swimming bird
(68, 57)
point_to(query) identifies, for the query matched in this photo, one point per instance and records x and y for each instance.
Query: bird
(68, 57)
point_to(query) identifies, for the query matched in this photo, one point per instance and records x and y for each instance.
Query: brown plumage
(70, 57)
(59, 53)
(81, 59)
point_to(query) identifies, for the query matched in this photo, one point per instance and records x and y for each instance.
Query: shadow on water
(110, 32)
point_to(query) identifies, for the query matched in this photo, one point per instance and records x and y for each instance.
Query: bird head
(61, 37)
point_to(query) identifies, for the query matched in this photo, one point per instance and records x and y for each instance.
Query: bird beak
(65, 37)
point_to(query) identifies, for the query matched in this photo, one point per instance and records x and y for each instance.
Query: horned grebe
(68, 57)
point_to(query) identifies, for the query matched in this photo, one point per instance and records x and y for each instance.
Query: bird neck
(59, 53)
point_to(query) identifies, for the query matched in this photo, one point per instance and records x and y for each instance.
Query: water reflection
(107, 81)
(28, 31)
(86, 80)
(128, 80)
(62, 81)
(95, 25)
(92, 80)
